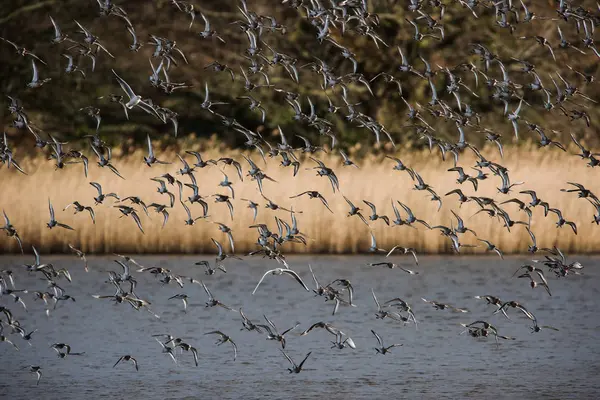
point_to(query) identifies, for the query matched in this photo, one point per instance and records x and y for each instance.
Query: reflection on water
(435, 361)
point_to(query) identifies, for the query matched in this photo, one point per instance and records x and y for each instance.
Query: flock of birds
(330, 19)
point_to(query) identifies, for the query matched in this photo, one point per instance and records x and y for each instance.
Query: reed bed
(25, 200)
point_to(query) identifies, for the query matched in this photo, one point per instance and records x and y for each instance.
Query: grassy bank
(25, 197)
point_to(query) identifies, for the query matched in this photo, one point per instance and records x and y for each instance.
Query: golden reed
(25, 200)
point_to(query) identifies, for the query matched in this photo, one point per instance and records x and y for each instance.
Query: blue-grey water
(435, 361)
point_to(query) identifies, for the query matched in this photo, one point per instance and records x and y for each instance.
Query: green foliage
(54, 108)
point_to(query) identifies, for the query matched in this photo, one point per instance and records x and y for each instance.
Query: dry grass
(25, 200)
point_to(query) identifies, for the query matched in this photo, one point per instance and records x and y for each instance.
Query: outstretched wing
(261, 279)
(377, 337)
(297, 278)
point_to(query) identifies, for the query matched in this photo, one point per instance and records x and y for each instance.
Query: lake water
(435, 361)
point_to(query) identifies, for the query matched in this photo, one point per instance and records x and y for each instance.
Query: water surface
(435, 361)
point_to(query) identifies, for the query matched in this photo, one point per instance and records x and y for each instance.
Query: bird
(400, 166)
(59, 347)
(101, 196)
(225, 229)
(441, 306)
(355, 211)
(483, 329)
(80, 208)
(273, 332)
(222, 198)
(381, 313)
(561, 221)
(231, 161)
(190, 220)
(168, 350)
(130, 211)
(212, 301)
(207, 32)
(227, 183)
(207, 103)
(393, 265)
(536, 328)
(59, 37)
(134, 99)
(34, 369)
(374, 216)
(104, 161)
(81, 255)
(492, 247)
(218, 67)
(383, 350)
(5, 339)
(53, 222)
(72, 67)
(35, 80)
(223, 338)
(151, 159)
(581, 191)
(328, 327)
(136, 45)
(514, 304)
(11, 231)
(161, 209)
(209, 270)
(374, 248)
(162, 189)
(313, 194)
(296, 368)
(323, 170)
(248, 324)
(282, 271)
(127, 358)
(347, 161)
(221, 256)
(533, 283)
(405, 250)
(183, 297)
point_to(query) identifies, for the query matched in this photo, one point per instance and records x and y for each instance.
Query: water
(435, 361)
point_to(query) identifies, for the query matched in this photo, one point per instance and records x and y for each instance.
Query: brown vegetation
(24, 198)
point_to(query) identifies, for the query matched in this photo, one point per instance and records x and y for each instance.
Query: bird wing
(210, 296)
(297, 278)
(314, 277)
(303, 361)
(271, 324)
(261, 279)
(414, 254)
(376, 301)
(118, 361)
(6, 220)
(51, 210)
(98, 187)
(230, 236)
(234, 349)
(124, 85)
(349, 202)
(35, 71)
(371, 205)
(187, 210)
(377, 337)
(150, 151)
(219, 247)
(137, 220)
(288, 358)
